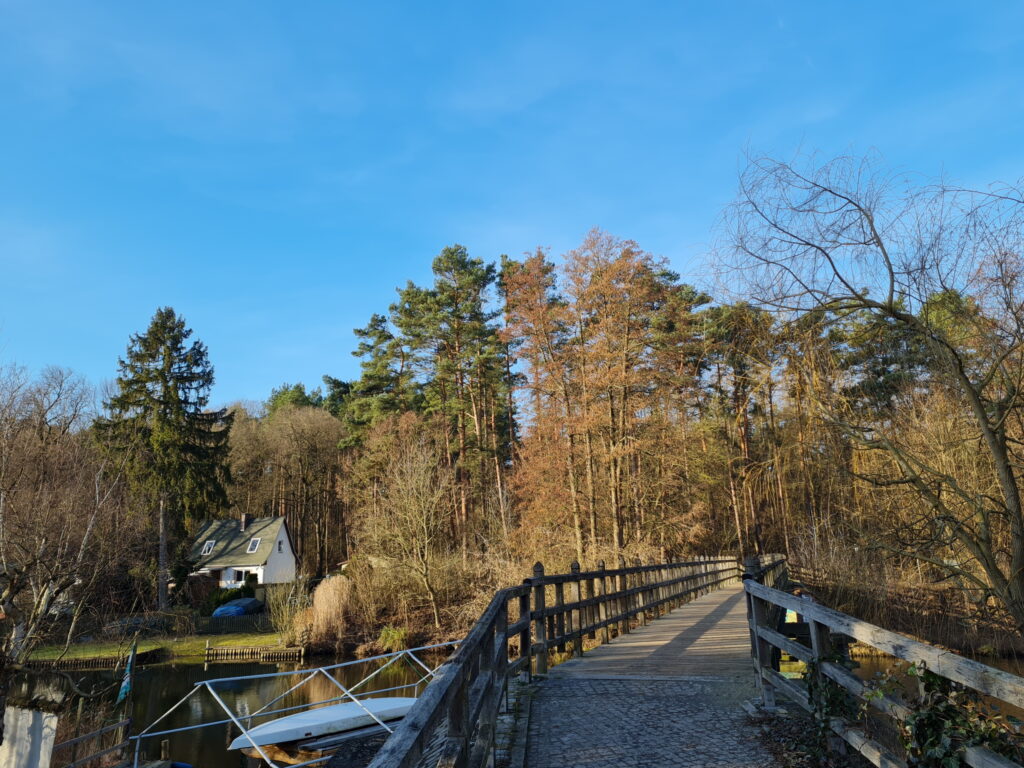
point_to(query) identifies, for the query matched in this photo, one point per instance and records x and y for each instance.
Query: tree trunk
(161, 567)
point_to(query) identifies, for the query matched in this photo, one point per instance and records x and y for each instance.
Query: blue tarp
(243, 606)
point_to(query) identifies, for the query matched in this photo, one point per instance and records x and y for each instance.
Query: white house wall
(280, 567)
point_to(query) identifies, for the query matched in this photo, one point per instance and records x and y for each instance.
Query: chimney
(245, 520)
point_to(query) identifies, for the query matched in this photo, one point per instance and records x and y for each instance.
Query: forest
(845, 386)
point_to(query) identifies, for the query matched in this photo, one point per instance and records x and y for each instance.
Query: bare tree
(943, 266)
(409, 523)
(56, 507)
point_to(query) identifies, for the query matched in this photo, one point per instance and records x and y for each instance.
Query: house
(230, 550)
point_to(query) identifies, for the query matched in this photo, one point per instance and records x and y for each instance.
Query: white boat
(312, 731)
(336, 718)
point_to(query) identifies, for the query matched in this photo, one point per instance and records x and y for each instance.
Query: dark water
(157, 688)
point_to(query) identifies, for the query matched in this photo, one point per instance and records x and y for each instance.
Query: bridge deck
(667, 694)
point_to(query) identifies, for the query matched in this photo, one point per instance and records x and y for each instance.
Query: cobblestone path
(667, 694)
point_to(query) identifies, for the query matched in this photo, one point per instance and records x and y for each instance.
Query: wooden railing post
(623, 601)
(757, 616)
(590, 612)
(488, 718)
(455, 751)
(652, 590)
(559, 628)
(641, 595)
(500, 652)
(525, 649)
(821, 643)
(576, 614)
(602, 604)
(663, 596)
(539, 625)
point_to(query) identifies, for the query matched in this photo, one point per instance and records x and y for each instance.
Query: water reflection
(157, 688)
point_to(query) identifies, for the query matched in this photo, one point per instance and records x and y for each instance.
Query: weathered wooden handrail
(822, 621)
(453, 721)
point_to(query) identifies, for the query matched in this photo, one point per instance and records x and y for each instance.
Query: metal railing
(244, 722)
(68, 754)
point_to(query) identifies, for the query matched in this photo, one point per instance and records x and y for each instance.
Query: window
(280, 546)
(208, 547)
(254, 544)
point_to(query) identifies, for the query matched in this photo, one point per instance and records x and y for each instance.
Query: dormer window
(208, 547)
(254, 544)
(280, 546)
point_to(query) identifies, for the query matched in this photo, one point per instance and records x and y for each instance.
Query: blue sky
(274, 170)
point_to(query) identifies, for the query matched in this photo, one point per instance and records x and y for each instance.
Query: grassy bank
(175, 647)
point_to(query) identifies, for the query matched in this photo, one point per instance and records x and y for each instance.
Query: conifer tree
(175, 449)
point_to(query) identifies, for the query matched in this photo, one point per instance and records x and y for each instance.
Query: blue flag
(129, 670)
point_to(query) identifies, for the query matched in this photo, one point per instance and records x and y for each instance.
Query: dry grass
(942, 613)
(324, 625)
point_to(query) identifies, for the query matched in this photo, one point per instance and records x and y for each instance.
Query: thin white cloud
(191, 77)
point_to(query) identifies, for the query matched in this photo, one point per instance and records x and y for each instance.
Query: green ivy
(828, 700)
(947, 717)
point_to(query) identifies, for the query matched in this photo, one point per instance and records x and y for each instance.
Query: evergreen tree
(438, 352)
(386, 386)
(175, 450)
(293, 396)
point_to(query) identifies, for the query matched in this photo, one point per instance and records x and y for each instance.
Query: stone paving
(668, 694)
(605, 723)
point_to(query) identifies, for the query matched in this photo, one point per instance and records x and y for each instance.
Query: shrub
(393, 638)
(284, 604)
(324, 624)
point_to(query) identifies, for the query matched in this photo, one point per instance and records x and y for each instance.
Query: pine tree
(174, 449)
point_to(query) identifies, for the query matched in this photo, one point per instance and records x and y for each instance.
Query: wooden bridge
(649, 665)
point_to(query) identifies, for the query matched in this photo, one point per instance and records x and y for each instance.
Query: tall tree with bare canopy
(938, 268)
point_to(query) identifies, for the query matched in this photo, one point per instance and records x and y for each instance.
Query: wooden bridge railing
(822, 622)
(453, 721)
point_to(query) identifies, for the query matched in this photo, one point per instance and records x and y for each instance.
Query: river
(158, 687)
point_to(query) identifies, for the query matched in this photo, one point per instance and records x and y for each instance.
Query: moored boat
(336, 718)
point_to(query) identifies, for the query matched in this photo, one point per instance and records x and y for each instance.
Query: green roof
(231, 543)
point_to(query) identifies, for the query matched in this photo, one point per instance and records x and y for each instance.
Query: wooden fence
(223, 625)
(152, 656)
(263, 653)
(765, 603)
(89, 748)
(452, 723)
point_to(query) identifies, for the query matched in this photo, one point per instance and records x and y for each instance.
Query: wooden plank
(856, 738)
(979, 757)
(762, 650)
(783, 643)
(703, 637)
(404, 746)
(792, 689)
(856, 686)
(988, 680)
(868, 747)
(517, 628)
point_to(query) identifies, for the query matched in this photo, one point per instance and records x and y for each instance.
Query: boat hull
(335, 718)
